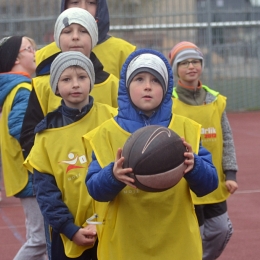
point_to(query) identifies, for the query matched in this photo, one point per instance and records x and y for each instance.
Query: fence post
(209, 43)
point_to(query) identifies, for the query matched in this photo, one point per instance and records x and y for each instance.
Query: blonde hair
(32, 41)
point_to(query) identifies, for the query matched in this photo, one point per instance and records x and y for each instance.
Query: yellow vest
(112, 58)
(15, 175)
(105, 93)
(209, 116)
(145, 225)
(112, 53)
(60, 152)
(46, 52)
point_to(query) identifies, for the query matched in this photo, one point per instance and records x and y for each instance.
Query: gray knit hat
(78, 16)
(183, 51)
(151, 63)
(67, 59)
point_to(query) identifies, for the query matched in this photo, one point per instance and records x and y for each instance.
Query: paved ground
(244, 205)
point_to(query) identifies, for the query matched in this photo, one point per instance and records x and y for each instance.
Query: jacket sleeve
(229, 162)
(33, 116)
(101, 183)
(203, 178)
(53, 209)
(16, 115)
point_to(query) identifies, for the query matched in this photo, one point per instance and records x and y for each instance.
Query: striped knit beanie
(151, 63)
(183, 51)
(78, 16)
(68, 59)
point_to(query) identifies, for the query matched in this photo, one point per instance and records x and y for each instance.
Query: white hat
(78, 16)
(148, 62)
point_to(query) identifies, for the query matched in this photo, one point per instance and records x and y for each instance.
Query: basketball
(156, 155)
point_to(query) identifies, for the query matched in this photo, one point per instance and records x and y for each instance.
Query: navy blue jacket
(56, 211)
(101, 183)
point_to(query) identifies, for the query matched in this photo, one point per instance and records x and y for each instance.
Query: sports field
(244, 205)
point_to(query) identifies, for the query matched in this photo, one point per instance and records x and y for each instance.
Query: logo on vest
(73, 160)
(208, 132)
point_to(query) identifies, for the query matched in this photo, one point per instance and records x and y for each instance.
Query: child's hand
(189, 161)
(85, 236)
(231, 186)
(119, 172)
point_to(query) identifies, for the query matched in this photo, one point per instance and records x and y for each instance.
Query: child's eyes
(139, 78)
(195, 62)
(77, 2)
(65, 79)
(184, 63)
(74, 2)
(66, 31)
(84, 31)
(83, 77)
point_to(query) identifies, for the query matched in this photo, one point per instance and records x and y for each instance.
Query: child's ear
(17, 61)
(57, 92)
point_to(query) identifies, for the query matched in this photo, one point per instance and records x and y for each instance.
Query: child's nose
(83, 5)
(148, 85)
(191, 64)
(75, 35)
(75, 83)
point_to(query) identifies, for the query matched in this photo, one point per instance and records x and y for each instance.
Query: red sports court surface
(244, 205)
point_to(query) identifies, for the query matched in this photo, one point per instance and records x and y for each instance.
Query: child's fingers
(189, 161)
(189, 168)
(188, 146)
(124, 177)
(120, 162)
(129, 181)
(119, 154)
(130, 184)
(231, 186)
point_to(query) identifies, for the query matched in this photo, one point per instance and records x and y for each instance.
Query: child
(17, 65)
(111, 51)
(58, 157)
(138, 224)
(206, 106)
(75, 29)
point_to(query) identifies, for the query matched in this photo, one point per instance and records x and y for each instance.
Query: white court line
(247, 191)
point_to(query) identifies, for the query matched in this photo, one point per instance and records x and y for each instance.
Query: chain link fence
(227, 31)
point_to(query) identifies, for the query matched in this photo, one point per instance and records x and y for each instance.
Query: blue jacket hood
(8, 82)
(129, 118)
(102, 18)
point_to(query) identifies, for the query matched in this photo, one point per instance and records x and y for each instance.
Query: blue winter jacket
(103, 186)
(8, 82)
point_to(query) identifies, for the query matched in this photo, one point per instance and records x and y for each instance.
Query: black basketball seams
(156, 155)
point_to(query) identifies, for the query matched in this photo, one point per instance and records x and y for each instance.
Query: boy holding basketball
(206, 106)
(138, 224)
(59, 161)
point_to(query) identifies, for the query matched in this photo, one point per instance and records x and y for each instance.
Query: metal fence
(227, 31)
